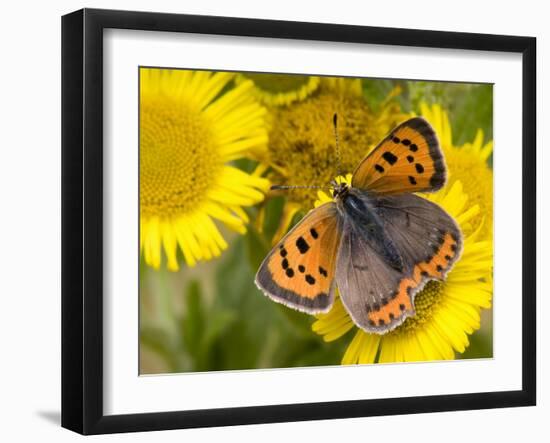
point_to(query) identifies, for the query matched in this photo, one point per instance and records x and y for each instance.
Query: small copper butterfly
(377, 241)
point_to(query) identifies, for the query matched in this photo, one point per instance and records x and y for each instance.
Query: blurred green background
(212, 317)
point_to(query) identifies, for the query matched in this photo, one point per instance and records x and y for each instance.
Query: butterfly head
(339, 190)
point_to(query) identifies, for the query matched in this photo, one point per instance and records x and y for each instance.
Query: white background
(30, 222)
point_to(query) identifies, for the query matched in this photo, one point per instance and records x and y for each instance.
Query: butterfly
(377, 241)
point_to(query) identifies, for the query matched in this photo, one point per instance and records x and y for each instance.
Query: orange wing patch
(299, 272)
(433, 268)
(409, 159)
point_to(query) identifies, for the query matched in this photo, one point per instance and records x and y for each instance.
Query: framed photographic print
(267, 221)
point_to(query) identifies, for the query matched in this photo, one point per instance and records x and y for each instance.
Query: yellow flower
(190, 131)
(302, 148)
(280, 89)
(467, 163)
(446, 312)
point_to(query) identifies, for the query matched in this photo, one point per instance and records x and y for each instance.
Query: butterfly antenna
(338, 163)
(284, 187)
(338, 158)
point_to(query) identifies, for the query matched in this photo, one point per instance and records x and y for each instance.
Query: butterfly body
(360, 211)
(376, 241)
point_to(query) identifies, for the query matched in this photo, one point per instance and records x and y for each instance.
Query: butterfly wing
(377, 296)
(367, 283)
(299, 271)
(423, 232)
(409, 159)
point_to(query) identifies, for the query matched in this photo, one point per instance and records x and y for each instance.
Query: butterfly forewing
(299, 271)
(408, 160)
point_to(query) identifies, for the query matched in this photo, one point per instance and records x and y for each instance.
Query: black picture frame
(82, 220)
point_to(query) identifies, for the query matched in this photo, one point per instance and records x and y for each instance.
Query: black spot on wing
(302, 245)
(310, 279)
(389, 157)
(314, 233)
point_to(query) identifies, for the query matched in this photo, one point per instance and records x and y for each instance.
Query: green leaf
(257, 247)
(241, 344)
(218, 323)
(274, 210)
(473, 111)
(192, 323)
(376, 91)
(469, 106)
(299, 322)
(216, 326)
(245, 164)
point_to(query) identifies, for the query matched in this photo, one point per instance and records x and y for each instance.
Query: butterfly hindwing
(377, 296)
(299, 271)
(425, 234)
(367, 283)
(408, 160)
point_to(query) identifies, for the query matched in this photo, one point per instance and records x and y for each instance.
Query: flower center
(425, 303)
(303, 144)
(275, 83)
(178, 160)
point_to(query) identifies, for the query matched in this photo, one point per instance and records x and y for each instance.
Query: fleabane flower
(447, 312)
(193, 125)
